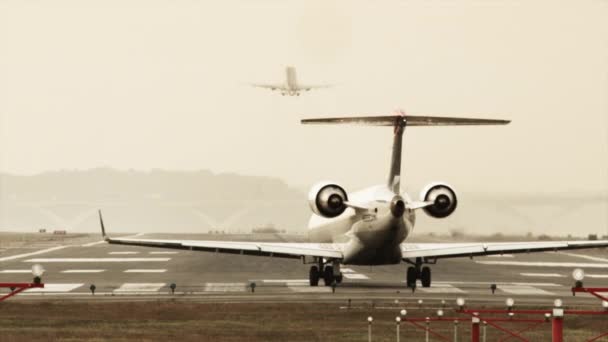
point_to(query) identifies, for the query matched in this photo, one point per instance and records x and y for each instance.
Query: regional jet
(291, 86)
(370, 227)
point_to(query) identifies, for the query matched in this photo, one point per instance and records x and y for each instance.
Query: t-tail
(399, 122)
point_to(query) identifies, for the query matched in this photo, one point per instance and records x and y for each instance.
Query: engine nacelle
(327, 199)
(444, 198)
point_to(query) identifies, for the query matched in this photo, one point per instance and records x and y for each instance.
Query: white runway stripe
(139, 287)
(93, 243)
(164, 252)
(19, 256)
(497, 283)
(48, 260)
(123, 253)
(16, 271)
(549, 275)
(588, 257)
(284, 281)
(225, 287)
(355, 276)
(599, 276)
(500, 256)
(441, 288)
(543, 264)
(145, 271)
(55, 288)
(82, 271)
(346, 270)
(524, 290)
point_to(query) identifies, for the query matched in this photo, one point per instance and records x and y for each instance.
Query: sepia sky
(164, 84)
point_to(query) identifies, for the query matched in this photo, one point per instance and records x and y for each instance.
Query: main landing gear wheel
(328, 275)
(411, 277)
(313, 276)
(425, 277)
(339, 278)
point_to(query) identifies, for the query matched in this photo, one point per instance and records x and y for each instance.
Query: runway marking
(19, 256)
(123, 253)
(47, 260)
(524, 290)
(441, 288)
(497, 283)
(93, 243)
(355, 276)
(139, 287)
(549, 275)
(500, 256)
(588, 257)
(346, 270)
(55, 288)
(282, 281)
(225, 287)
(164, 252)
(309, 289)
(16, 271)
(544, 264)
(599, 276)
(82, 271)
(145, 271)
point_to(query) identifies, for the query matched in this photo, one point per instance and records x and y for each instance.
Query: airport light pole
(426, 332)
(397, 321)
(475, 329)
(370, 319)
(557, 329)
(455, 330)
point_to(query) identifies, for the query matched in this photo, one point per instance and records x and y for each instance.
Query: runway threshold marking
(48, 260)
(16, 271)
(123, 253)
(225, 287)
(55, 288)
(548, 275)
(524, 290)
(19, 256)
(145, 271)
(164, 252)
(139, 287)
(82, 271)
(543, 264)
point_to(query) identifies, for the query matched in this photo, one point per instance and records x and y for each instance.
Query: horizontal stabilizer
(410, 120)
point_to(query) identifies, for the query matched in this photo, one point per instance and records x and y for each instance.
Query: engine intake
(327, 199)
(443, 198)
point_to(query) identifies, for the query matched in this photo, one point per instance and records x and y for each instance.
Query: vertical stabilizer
(394, 176)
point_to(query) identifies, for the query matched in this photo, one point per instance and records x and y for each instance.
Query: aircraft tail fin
(399, 122)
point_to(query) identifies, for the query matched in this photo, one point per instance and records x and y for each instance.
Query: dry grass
(167, 320)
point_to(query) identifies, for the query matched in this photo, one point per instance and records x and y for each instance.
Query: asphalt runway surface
(127, 273)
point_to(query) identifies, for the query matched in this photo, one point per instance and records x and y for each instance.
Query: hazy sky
(164, 84)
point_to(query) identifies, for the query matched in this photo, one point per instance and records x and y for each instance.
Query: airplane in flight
(370, 227)
(291, 86)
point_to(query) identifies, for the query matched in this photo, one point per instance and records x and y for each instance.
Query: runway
(136, 273)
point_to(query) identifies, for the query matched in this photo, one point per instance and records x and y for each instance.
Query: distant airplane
(369, 227)
(291, 86)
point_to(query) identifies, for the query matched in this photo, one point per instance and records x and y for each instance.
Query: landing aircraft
(291, 86)
(369, 227)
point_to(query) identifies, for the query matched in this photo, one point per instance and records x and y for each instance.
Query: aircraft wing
(269, 86)
(457, 250)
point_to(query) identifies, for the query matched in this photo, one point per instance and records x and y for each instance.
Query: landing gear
(339, 278)
(425, 277)
(411, 277)
(313, 276)
(328, 275)
(418, 272)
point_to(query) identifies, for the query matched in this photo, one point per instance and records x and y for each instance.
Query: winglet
(103, 228)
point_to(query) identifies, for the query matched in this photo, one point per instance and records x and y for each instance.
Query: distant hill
(155, 201)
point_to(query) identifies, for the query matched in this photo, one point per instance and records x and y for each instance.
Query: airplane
(370, 227)
(291, 86)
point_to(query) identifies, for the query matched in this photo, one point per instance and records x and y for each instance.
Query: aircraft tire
(411, 277)
(313, 276)
(425, 277)
(339, 278)
(328, 275)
